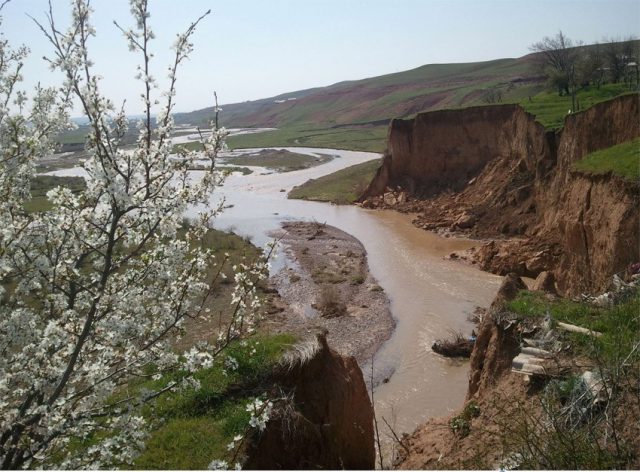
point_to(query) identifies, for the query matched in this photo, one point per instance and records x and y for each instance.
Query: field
(370, 138)
(550, 109)
(43, 183)
(279, 160)
(343, 186)
(622, 160)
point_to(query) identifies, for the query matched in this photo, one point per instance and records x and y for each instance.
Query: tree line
(570, 65)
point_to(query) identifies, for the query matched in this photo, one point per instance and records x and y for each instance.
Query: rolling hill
(374, 101)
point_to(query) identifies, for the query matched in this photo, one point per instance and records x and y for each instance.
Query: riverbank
(342, 187)
(430, 296)
(551, 382)
(329, 286)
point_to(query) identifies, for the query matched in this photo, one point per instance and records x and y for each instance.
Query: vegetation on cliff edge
(622, 160)
(580, 423)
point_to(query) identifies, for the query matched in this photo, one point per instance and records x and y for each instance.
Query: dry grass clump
(330, 304)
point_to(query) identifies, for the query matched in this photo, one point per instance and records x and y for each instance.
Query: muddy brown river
(430, 297)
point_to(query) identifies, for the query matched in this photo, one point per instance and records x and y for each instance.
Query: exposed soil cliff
(327, 423)
(494, 172)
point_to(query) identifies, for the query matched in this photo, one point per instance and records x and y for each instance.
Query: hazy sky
(249, 49)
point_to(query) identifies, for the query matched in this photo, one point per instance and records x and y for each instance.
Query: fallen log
(578, 329)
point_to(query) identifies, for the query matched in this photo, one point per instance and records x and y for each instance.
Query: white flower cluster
(93, 289)
(197, 359)
(260, 413)
(231, 364)
(222, 465)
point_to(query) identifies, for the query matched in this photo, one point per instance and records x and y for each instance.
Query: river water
(430, 297)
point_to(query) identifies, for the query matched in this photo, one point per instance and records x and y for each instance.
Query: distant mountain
(378, 99)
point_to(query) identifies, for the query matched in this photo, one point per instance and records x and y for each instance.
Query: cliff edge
(326, 421)
(493, 172)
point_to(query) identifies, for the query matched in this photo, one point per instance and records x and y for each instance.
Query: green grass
(619, 325)
(279, 160)
(74, 136)
(231, 169)
(343, 186)
(534, 304)
(41, 184)
(371, 139)
(190, 428)
(194, 427)
(622, 160)
(550, 109)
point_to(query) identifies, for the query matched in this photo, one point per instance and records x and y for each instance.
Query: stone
(389, 199)
(545, 282)
(466, 220)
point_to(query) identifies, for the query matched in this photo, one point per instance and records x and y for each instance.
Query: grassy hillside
(355, 114)
(363, 101)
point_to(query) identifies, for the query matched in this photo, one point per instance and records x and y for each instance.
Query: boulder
(389, 199)
(466, 220)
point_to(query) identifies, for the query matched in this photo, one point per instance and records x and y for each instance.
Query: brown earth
(494, 173)
(328, 420)
(329, 286)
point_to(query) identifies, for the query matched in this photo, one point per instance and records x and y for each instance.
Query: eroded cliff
(326, 421)
(494, 172)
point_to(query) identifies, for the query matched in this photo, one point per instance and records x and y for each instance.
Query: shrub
(461, 424)
(330, 303)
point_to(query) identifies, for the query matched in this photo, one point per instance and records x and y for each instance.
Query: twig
(395, 436)
(375, 421)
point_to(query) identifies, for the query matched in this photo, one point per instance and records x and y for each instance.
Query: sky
(250, 49)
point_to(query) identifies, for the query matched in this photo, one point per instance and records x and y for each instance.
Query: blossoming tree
(93, 290)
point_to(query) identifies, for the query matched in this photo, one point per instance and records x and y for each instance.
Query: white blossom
(218, 465)
(101, 283)
(260, 413)
(231, 363)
